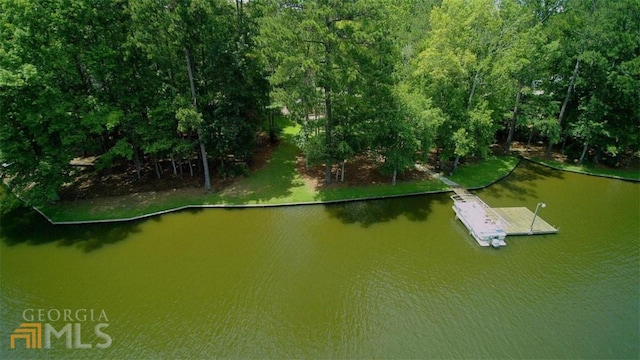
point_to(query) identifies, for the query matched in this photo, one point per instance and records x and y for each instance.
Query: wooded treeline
(192, 82)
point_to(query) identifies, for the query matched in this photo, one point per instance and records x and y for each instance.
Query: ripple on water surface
(393, 278)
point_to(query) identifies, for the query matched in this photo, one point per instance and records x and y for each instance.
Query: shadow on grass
(275, 181)
(367, 213)
(412, 188)
(485, 172)
(627, 174)
(520, 184)
(25, 226)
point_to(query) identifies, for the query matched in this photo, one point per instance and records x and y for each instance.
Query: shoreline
(582, 172)
(235, 206)
(151, 214)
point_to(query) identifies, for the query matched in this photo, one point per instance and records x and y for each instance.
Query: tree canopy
(190, 83)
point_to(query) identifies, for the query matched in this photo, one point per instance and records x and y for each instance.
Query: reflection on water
(392, 278)
(367, 213)
(25, 226)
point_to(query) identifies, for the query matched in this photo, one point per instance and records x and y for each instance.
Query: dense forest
(185, 86)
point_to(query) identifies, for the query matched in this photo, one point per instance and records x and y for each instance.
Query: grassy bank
(279, 182)
(486, 172)
(591, 169)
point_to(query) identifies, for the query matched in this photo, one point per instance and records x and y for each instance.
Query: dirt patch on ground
(360, 171)
(121, 179)
(531, 151)
(120, 185)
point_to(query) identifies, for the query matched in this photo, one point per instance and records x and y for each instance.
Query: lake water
(395, 278)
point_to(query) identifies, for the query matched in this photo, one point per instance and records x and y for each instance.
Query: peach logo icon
(31, 333)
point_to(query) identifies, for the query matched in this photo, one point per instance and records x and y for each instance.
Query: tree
(323, 54)
(521, 68)
(109, 78)
(453, 70)
(205, 58)
(601, 43)
(162, 30)
(56, 73)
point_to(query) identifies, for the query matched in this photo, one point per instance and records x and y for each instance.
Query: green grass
(485, 172)
(591, 169)
(380, 190)
(277, 182)
(126, 207)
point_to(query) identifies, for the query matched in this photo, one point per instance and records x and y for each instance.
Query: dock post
(540, 204)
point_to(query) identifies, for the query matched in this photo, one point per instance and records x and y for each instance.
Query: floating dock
(489, 226)
(518, 222)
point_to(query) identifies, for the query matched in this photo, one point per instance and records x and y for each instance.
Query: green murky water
(388, 279)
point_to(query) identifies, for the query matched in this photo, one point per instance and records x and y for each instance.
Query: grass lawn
(627, 174)
(277, 182)
(383, 190)
(485, 172)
